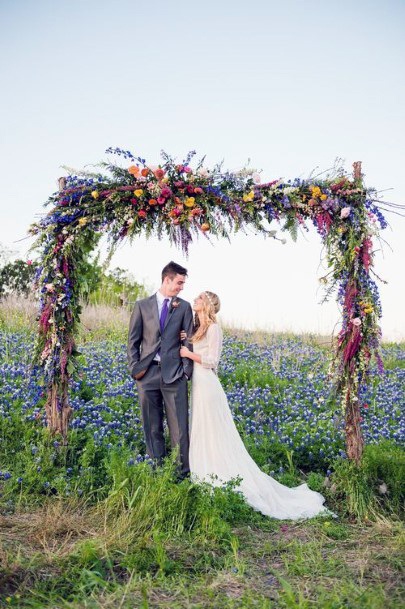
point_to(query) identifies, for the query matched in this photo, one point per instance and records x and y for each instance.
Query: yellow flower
(82, 221)
(138, 192)
(249, 196)
(316, 191)
(189, 202)
(95, 194)
(324, 197)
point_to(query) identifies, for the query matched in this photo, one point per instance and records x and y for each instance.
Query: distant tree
(118, 288)
(115, 288)
(17, 277)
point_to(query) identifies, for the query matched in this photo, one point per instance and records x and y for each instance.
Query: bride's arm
(211, 359)
(185, 352)
(214, 337)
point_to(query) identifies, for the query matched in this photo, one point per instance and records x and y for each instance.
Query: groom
(155, 363)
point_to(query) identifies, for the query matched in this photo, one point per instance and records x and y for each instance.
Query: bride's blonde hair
(206, 317)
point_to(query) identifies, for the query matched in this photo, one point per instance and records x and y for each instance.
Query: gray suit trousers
(155, 397)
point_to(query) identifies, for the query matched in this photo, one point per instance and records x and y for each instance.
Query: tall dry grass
(19, 313)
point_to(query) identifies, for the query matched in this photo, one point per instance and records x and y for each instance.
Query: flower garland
(182, 202)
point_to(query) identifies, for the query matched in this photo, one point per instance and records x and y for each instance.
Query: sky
(290, 86)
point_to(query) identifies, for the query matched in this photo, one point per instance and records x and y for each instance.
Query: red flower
(142, 213)
(365, 405)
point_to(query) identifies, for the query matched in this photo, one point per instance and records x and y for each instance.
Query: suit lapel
(155, 310)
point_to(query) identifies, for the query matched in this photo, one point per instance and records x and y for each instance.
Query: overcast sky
(290, 85)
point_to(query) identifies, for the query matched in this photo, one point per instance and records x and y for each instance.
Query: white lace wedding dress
(217, 453)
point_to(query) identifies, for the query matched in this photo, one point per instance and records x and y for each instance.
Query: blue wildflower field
(279, 393)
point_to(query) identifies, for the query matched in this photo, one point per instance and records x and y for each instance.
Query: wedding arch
(185, 200)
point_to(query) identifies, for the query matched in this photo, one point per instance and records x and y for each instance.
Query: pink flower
(161, 200)
(198, 190)
(166, 192)
(345, 212)
(29, 262)
(256, 178)
(356, 321)
(187, 169)
(159, 173)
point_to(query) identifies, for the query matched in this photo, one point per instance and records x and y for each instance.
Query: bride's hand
(183, 335)
(184, 352)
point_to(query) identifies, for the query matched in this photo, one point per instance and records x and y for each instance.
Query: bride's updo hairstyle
(206, 317)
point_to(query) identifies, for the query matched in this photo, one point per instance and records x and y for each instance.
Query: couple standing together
(166, 349)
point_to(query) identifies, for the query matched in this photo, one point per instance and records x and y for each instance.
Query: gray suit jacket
(145, 338)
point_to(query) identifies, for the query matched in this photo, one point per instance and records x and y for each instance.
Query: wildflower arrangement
(181, 202)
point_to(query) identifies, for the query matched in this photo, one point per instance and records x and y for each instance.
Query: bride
(217, 453)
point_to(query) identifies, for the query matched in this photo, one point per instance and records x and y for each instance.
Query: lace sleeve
(214, 339)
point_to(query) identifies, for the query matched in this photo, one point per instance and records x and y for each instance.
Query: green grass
(70, 554)
(138, 539)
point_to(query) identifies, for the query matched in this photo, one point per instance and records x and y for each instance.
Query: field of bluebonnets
(282, 401)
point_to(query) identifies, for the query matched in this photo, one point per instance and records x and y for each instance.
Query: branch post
(353, 433)
(57, 408)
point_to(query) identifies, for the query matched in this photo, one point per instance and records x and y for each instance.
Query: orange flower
(134, 170)
(144, 172)
(152, 202)
(205, 227)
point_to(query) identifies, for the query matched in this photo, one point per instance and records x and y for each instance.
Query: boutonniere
(175, 303)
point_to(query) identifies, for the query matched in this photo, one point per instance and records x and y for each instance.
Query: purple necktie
(163, 314)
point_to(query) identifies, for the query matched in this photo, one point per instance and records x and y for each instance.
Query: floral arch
(182, 202)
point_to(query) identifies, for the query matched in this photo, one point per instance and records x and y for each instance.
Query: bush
(375, 486)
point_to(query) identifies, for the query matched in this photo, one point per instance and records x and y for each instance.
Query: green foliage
(375, 486)
(117, 288)
(17, 278)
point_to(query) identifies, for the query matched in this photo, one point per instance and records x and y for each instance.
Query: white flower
(256, 178)
(356, 321)
(203, 172)
(283, 241)
(345, 212)
(289, 189)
